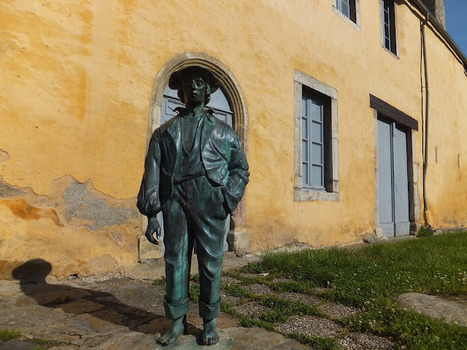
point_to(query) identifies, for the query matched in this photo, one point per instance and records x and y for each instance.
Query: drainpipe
(427, 96)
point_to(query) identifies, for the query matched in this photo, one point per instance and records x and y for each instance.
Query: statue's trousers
(196, 213)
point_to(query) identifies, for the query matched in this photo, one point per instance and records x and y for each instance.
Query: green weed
(316, 342)
(160, 281)
(425, 231)
(6, 334)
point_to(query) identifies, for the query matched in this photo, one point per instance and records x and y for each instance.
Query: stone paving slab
(257, 288)
(337, 311)
(312, 326)
(435, 307)
(113, 314)
(252, 309)
(16, 345)
(300, 297)
(360, 341)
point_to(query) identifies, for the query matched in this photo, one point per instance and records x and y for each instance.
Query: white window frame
(337, 10)
(302, 193)
(396, 39)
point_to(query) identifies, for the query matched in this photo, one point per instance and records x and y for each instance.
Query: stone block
(239, 242)
(414, 228)
(372, 239)
(148, 250)
(378, 232)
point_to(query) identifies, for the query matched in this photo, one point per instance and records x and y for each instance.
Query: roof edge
(430, 17)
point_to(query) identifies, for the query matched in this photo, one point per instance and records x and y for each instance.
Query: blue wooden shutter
(312, 142)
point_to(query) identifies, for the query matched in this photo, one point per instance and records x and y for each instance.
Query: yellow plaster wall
(447, 148)
(77, 79)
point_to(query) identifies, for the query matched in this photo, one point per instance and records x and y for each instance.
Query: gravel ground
(358, 341)
(231, 300)
(230, 280)
(338, 311)
(311, 326)
(258, 289)
(302, 298)
(252, 309)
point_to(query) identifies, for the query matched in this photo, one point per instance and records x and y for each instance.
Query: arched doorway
(228, 106)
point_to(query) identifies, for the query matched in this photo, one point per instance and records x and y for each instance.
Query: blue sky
(456, 22)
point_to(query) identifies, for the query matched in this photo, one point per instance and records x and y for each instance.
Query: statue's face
(194, 90)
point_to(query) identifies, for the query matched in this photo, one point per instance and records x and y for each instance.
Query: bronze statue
(195, 173)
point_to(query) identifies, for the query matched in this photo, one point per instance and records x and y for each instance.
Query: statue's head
(194, 84)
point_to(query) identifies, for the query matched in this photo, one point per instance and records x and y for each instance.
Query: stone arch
(227, 80)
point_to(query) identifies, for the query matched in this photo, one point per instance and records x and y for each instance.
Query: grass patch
(425, 231)
(286, 308)
(160, 281)
(193, 292)
(409, 328)
(371, 277)
(43, 343)
(245, 320)
(316, 342)
(279, 309)
(6, 334)
(435, 265)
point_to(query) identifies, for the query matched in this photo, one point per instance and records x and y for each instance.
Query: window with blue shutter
(316, 175)
(313, 165)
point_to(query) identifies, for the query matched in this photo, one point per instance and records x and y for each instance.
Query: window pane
(305, 176)
(305, 156)
(316, 111)
(317, 154)
(304, 109)
(345, 7)
(317, 132)
(305, 135)
(317, 176)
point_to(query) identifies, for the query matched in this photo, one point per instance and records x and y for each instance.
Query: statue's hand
(153, 227)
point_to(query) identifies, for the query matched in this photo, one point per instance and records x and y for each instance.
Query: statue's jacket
(221, 154)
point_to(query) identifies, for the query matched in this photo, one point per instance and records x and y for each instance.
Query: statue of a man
(195, 173)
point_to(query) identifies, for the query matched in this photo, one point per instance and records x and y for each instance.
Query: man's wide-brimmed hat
(178, 77)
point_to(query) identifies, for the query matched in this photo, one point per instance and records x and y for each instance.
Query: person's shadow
(102, 305)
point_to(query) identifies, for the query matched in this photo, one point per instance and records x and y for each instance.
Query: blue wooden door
(393, 188)
(222, 111)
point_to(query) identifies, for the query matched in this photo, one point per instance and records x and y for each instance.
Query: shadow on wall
(99, 304)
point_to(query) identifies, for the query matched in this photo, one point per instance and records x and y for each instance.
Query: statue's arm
(238, 176)
(148, 197)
